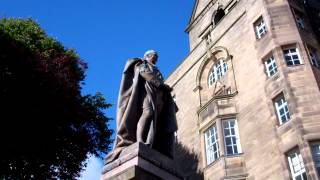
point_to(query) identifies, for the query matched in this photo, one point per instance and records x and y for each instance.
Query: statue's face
(153, 58)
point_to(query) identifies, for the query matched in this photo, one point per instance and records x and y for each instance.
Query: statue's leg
(151, 132)
(159, 105)
(144, 122)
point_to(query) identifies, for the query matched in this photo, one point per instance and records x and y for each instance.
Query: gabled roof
(196, 11)
(195, 5)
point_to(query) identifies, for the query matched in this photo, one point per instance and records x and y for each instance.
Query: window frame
(220, 141)
(209, 147)
(283, 106)
(218, 70)
(293, 164)
(258, 25)
(218, 15)
(272, 64)
(291, 54)
(236, 136)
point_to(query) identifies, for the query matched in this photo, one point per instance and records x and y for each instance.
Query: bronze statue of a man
(146, 110)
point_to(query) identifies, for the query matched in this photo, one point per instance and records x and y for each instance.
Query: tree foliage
(47, 127)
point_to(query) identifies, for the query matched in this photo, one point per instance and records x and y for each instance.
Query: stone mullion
(220, 138)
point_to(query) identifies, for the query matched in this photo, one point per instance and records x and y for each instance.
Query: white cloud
(93, 170)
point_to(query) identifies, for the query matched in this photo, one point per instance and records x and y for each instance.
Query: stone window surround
(296, 164)
(273, 64)
(214, 145)
(202, 83)
(218, 70)
(278, 53)
(284, 127)
(284, 107)
(222, 147)
(260, 27)
(291, 47)
(234, 136)
(305, 151)
(218, 12)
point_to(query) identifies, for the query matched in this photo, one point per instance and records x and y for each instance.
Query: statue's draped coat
(129, 109)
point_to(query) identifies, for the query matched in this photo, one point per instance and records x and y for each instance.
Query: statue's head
(151, 56)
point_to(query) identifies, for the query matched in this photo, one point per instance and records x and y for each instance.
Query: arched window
(218, 15)
(218, 70)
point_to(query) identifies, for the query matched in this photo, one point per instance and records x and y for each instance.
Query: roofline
(193, 19)
(192, 15)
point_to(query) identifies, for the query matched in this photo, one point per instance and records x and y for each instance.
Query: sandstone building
(249, 90)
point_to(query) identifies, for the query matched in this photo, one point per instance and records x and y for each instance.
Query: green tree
(47, 128)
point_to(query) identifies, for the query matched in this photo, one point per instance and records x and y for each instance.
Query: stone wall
(264, 142)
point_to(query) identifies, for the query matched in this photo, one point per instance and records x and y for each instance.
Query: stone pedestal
(140, 162)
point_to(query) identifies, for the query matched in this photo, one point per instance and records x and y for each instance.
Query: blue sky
(105, 33)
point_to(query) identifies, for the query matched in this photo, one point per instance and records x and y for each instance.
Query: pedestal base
(140, 162)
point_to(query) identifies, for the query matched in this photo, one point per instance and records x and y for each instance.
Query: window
(282, 109)
(271, 66)
(231, 137)
(315, 148)
(218, 70)
(297, 169)
(291, 56)
(260, 28)
(314, 57)
(300, 22)
(299, 19)
(218, 15)
(212, 146)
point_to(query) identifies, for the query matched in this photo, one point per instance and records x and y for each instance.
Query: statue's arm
(149, 76)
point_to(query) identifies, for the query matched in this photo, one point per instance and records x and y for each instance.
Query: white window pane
(296, 165)
(212, 146)
(282, 109)
(260, 28)
(218, 70)
(292, 56)
(271, 66)
(231, 137)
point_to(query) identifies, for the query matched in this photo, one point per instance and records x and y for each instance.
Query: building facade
(249, 91)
